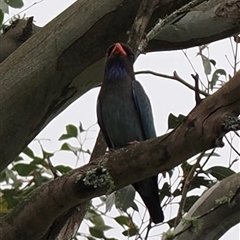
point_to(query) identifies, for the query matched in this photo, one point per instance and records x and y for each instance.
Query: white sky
(167, 96)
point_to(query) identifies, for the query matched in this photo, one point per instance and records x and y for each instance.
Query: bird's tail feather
(148, 190)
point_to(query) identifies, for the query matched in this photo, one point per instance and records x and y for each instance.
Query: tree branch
(175, 76)
(214, 211)
(203, 129)
(167, 21)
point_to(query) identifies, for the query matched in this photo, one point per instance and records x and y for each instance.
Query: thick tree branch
(216, 212)
(203, 129)
(63, 60)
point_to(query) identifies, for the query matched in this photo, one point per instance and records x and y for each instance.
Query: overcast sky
(167, 96)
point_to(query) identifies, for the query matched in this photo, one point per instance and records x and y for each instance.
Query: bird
(125, 116)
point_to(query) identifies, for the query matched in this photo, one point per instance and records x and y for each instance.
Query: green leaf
(47, 154)
(135, 207)
(28, 151)
(24, 169)
(3, 177)
(102, 227)
(81, 129)
(189, 202)
(11, 175)
(64, 136)
(72, 132)
(212, 154)
(199, 181)
(98, 220)
(125, 197)
(220, 172)
(3, 207)
(110, 201)
(69, 147)
(216, 76)
(1, 17)
(90, 214)
(213, 62)
(171, 222)
(174, 121)
(123, 220)
(165, 191)
(38, 160)
(96, 233)
(130, 232)
(63, 169)
(15, 3)
(177, 192)
(38, 178)
(10, 196)
(206, 64)
(4, 8)
(18, 158)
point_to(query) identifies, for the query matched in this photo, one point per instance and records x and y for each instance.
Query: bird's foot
(133, 142)
(110, 151)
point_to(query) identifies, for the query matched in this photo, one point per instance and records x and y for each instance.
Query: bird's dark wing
(144, 110)
(147, 188)
(101, 124)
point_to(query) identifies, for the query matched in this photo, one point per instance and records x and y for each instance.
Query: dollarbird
(125, 116)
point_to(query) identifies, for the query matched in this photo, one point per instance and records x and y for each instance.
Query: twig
(149, 227)
(140, 23)
(197, 90)
(174, 77)
(186, 187)
(52, 168)
(233, 148)
(172, 17)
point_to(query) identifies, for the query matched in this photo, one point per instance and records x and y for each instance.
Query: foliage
(4, 7)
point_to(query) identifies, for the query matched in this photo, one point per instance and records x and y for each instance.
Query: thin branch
(175, 76)
(140, 23)
(233, 148)
(149, 227)
(186, 187)
(168, 20)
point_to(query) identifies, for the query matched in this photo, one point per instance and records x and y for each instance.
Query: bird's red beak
(118, 49)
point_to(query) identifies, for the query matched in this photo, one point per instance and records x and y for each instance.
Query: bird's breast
(119, 115)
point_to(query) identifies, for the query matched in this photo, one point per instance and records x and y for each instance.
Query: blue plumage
(125, 115)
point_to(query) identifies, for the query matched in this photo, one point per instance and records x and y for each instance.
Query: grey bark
(215, 218)
(64, 60)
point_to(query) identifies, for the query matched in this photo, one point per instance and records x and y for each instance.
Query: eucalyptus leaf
(15, 3)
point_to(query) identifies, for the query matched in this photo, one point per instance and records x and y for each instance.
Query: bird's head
(119, 61)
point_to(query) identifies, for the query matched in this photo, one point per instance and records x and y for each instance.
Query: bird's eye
(109, 50)
(131, 57)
